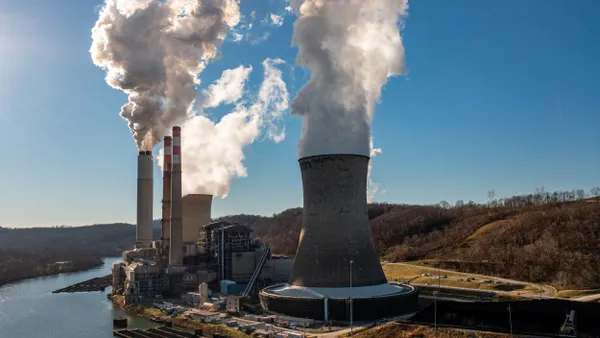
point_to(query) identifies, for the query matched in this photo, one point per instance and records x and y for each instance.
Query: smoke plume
(213, 152)
(351, 48)
(153, 50)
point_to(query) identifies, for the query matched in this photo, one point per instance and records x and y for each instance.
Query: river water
(29, 309)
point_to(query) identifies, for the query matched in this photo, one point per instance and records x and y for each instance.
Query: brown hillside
(546, 238)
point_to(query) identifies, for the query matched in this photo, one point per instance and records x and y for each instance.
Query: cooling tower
(335, 225)
(143, 228)
(336, 259)
(196, 213)
(176, 245)
(166, 200)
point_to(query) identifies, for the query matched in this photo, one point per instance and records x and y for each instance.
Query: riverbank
(17, 271)
(158, 315)
(59, 315)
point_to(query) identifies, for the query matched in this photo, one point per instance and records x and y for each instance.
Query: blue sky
(499, 95)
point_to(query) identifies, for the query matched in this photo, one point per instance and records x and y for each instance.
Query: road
(588, 298)
(547, 291)
(508, 293)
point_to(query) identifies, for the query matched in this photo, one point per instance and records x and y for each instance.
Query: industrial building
(336, 274)
(192, 254)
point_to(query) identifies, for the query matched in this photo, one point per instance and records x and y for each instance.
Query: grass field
(493, 227)
(414, 274)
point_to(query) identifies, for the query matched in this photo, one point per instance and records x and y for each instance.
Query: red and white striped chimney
(176, 247)
(166, 200)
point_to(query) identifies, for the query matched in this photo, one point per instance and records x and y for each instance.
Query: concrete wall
(129, 256)
(242, 266)
(281, 269)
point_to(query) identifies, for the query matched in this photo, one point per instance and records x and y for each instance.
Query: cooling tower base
(368, 302)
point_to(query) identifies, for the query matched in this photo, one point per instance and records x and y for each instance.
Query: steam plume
(154, 50)
(372, 187)
(351, 48)
(213, 152)
(228, 89)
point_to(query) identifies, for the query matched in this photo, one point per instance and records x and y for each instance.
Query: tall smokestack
(176, 245)
(166, 201)
(143, 229)
(196, 213)
(335, 225)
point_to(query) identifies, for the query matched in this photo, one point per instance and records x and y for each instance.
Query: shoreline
(179, 321)
(53, 273)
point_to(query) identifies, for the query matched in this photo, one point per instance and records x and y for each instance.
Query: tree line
(550, 237)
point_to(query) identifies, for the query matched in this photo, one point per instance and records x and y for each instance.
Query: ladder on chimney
(256, 273)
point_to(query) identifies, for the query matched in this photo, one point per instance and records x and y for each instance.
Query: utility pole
(351, 323)
(222, 252)
(435, 309)
(435, 293)
(510, 320)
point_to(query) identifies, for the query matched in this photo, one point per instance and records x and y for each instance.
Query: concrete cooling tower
(196, 213)
(336, 258)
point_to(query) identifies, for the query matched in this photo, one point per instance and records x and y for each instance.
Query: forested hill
(541, 237)
(107, 240)
(32, 252)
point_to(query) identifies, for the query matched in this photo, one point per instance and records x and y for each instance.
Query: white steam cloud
(228, 89)
(153, 50)
(351, 48)
(372, 187)
(276, 19)
(213, 152)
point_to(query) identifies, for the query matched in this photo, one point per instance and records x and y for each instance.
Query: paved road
(547, 291)
(588, 298)
(508, 293)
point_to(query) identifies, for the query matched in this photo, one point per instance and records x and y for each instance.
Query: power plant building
(191, 251)
(336, 274)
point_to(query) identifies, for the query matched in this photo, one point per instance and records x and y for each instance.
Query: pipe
(143, 228)
(166, 201)
(176, 246)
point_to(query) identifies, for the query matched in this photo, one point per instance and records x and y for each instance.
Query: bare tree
(491, 196)
(444, 205)
(459, 204)
(540, 194)
(595, 192)
(580, 194)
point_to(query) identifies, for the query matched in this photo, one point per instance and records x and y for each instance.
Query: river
(29, 309)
